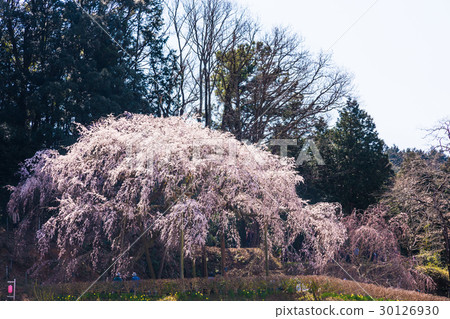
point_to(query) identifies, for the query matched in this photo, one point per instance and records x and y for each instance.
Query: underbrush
(282, 288)
(439, 275)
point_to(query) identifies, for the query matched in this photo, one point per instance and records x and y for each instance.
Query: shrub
(439, 276)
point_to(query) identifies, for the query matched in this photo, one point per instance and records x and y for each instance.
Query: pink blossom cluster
(137, 174)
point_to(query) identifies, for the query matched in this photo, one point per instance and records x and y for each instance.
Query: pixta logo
(305, 155)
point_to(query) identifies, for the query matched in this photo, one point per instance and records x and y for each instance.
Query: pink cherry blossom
(135, 173)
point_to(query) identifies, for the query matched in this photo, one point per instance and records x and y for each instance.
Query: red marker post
(12, 290)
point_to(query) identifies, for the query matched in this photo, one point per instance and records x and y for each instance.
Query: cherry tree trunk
(182, 248)
(204, 262)
(266, 251)
(446, 241)
(222, 254)
(447, 250)
(163, 261)
(149, 260)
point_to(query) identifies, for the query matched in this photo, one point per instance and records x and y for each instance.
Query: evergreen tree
(356, 165)
(59, 65)
(233, 71)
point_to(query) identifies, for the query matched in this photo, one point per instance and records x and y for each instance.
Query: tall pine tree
(63, 62)
(356, 164)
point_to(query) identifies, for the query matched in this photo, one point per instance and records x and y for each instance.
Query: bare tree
(209, 28)
(422, 190)
(266, 87)
(441, 134)
(290, 88)
(178, 24)
(272, 87)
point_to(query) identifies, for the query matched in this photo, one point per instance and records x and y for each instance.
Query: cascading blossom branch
(133, 173)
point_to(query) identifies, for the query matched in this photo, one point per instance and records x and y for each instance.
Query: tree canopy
(422, 191)
(357, 168)
(135, 173)
(59, 66)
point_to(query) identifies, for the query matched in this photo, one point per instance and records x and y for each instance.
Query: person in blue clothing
(117, 282)
(135, 279)
(375, 257)
(118, 277)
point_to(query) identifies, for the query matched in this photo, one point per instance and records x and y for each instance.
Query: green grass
(278, 288)
(245, 295)
(350, 297)
(285, 289)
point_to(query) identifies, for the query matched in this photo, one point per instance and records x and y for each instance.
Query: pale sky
(398, 53)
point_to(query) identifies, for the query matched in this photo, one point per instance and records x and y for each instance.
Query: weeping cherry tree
(135, 181)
